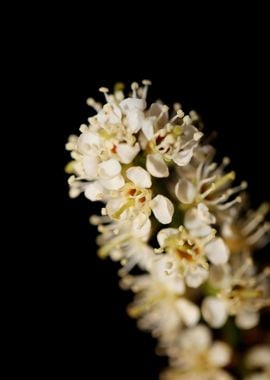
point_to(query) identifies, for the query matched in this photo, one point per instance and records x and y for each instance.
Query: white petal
(148, 128)
(109, 114)
(182, 158)
(155, 110)
(217, 252)
(139, 176)
(113, 206)
(131, 104)
(90, 165)
(134, 110)
(198, 336)
(164, 234)
(109, 168)
(185, 191)
(190, 313)
(94, 191)
(214, 311)
(197, 220)
(195, 278)
(156, 166)
(134, 121)
(162, 208)
(175, 284)
(192, 219)
(126, 152)
(141, 227)
(220, 275)
(204, 214)
(86, 141)
(219, 354)
(247, 319)
(114, 183)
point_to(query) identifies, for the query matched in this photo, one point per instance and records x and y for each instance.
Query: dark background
(96, 335)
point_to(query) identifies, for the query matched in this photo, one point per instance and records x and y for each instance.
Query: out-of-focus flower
(159, 303)
(245, 234)
(195, 356)
(206, 182)
(258, 360)
(239, 292)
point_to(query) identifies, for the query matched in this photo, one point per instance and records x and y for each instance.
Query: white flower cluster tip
(151, 167)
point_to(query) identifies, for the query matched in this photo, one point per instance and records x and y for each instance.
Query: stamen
(83, 128)
(258, 234)
(92, 103)
(230, 204)
(177, 106)
(97, 219)
(209, 191)
(146, 84)
(105, 91)
(179, 115)
(134, 88)
(252, 224)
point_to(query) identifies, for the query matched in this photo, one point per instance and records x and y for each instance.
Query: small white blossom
(189, 255)
(125, 242)
(194, 356)
(198, 220)
(159, 303)
(203, 181)
(239, 292)
(245, 234)
(135, 199)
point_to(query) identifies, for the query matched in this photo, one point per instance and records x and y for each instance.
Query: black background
(96, 334)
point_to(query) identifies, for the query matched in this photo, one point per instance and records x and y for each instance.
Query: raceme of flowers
(172, 211)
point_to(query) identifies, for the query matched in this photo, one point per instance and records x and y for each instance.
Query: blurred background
(98, 337)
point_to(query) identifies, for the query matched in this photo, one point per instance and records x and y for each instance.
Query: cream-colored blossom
(195, 356)
(159, 303)
(203, 181)
(134, 200)
(244, 234)
(189, 255)
(240, 292)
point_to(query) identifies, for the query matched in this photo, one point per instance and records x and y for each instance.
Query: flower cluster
(170, 210)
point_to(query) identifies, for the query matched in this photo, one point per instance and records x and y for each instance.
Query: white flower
(133, 109)
(198, 220)
(135, 199)
(205, 182)
(194, 356)
(245, 234)
(125, 242)
(173, 142)
(239, 292)
(188, 255)
(109, 178)
(159, 304)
